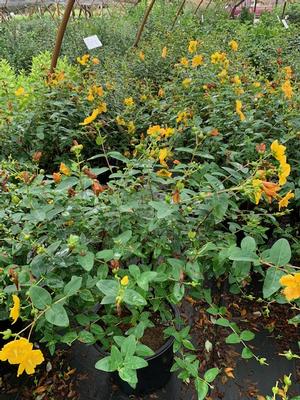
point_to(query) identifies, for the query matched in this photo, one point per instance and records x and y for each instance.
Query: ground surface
(71, 374)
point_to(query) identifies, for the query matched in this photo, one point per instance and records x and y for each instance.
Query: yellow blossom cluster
(128, 102)
(270, 189)
(95, 91)
(219, 58)
(292, 286)
(159, 132)
(21, 352)
(15, 310)
(183, 116)
(278, 151)
(233, 45)
(193, 46)
(238, 110)
(102, 108)
(287, 89)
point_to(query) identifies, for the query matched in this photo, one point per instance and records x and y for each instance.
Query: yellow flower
(222, 75)
(284, 202)
(154, 130)
(102, 108)
(20, 352)
(98, 90)
(257, 184)
(161, 92)
(239, 91)
(129, 102)
(120, 121)
(186, 82)
(184, 62)
(193, 46)
(91, 117)
(236, 80)
(64, 169)
(142, 56)
(197, 60)
(218, 57)
(292, 283)
(95, 61)
(164, 52)
(234, 45)
(109, 86)
(56, 177)
(284, 172)
(287, 89)
(125, 281)
(278, 150)
(163, 154)
(15, 310)
(164, 173)
(143, 97)
(20, 91)
(167, 132)
(238, 109)
(183, 116)
(288, 72)
(256, 84)
(90, 96)
(131, 127)
(84, 59)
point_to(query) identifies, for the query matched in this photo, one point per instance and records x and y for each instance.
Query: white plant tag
(92, 42)
(278, 18)
(202, 18)
(285, 24)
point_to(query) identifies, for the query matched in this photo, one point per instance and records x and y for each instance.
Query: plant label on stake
(285, 24)
(92, 42)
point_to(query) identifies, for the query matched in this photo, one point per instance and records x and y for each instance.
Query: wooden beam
(142, 26)
(60, 34)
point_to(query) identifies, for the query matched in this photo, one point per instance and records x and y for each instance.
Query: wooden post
(208, 4)
(235, 7)
(198, 6)
(254, 10)
(178, 13)
(60, 34)
(283, 10)
(140, 31)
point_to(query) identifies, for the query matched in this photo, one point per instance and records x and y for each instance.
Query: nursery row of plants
(133, 178)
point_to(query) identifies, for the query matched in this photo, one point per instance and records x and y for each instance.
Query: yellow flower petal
(15, 310)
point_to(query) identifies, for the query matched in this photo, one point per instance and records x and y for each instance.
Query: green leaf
(248, 244)
(178, 291)
(220, 206)
(105, 255)
(105, 364)
(108, 287)
(128, 375)
(40, 297)
(135, 362)
(233, 339)
(87, 261)
(247, 335)
(247, 353)
(86, 337)
(144, 351)
(118, 156)
(69, 338)
(211, 374)
(163, 209)
(123, 238)
(201, 388)
(73, 286)
(128, 346)
(145, 278)
(238, 254)
(222, 322)
(271, 282)
(57, 315)
(86, 295)
(134, 298)
(280, 253)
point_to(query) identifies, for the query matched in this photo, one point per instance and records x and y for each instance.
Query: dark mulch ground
(71, 374)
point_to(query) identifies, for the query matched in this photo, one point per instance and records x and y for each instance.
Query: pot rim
(169, 342)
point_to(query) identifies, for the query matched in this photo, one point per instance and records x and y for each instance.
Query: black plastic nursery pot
(157, 373)
(154, 376)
